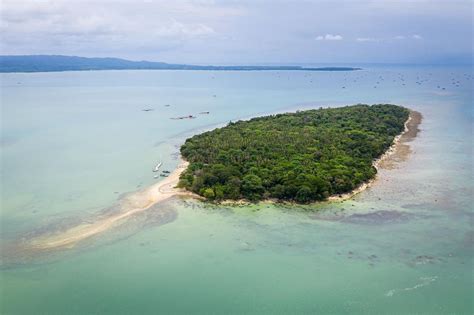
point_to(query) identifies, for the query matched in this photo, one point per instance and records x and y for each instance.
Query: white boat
(157, 167)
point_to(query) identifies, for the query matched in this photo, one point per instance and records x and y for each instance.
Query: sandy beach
(397, 152)
(130, 205)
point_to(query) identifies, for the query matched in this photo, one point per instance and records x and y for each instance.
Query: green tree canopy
(303, 156)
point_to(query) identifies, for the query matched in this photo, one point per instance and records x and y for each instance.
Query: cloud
(398, 37)
(58, 26)
(239, 31)
(329, 37)
(177, 29)
(366, 39)
(414, 36)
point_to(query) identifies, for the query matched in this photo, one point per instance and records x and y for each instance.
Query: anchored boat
(157, 167)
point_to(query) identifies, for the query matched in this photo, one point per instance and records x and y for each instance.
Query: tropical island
(298, 157)
(54, 63)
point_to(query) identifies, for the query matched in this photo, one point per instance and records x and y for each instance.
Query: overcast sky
(240, 32)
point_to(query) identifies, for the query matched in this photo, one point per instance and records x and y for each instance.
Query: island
(53, 63)
(299, 157)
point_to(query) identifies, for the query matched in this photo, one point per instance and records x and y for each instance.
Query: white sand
(133, 204)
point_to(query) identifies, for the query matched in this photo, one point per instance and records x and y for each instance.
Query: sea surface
(73, 143)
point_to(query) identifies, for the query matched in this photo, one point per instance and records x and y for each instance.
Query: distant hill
(47, 63)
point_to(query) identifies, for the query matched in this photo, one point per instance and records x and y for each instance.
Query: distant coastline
(59, 63)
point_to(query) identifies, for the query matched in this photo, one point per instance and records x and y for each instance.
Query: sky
(242, 32)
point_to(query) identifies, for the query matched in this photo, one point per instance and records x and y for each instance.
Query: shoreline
(411, 126)
(132, 203)
(409, 133)
(137, 202)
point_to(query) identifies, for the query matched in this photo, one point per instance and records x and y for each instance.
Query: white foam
(425, 281)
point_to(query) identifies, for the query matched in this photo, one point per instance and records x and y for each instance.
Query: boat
(157, 167)
(184, 117)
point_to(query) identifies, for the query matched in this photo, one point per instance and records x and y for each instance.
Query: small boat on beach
(157, 167)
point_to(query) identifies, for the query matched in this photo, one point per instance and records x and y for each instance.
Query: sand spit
(130, 205)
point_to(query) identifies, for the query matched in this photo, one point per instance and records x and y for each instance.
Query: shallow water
(74, 142)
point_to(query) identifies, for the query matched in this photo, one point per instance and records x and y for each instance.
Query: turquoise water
(73, 142)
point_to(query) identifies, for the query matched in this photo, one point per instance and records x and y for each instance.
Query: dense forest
(304, 156)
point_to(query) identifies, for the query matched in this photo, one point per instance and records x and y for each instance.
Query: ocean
(73, 143)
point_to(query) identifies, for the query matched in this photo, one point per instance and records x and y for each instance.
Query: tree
(208, 193)
(304, 194)
(232, 188)
(252, 187)
(219, 192)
